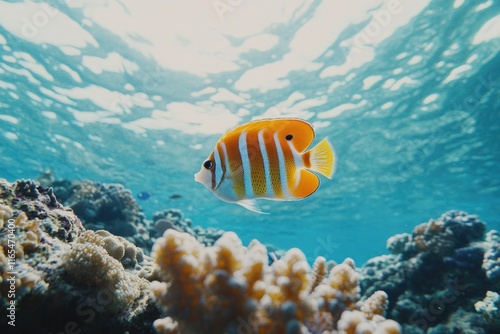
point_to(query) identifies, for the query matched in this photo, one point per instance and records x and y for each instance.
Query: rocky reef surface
(443, 278)
(55, 276)
(70, 268)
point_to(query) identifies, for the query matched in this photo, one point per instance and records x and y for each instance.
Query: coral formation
(229, 288)
(453, 230)
(491, 261)
(104, 206)
(30, 218)
(111, 207)
(39, 202)
(433, 277)
(489, 307)
(93, 260)
(173, 219)
(442, 278)
(5, 214)
(56, 274)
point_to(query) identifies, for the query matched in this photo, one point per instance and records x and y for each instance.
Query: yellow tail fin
(322, 158)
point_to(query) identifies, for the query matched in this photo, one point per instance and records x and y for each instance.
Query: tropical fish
(143, 195)
(266, 159)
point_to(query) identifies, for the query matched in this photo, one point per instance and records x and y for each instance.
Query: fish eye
(208, 164)
(288, 137)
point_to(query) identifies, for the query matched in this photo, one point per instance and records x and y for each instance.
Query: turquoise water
(139, 94)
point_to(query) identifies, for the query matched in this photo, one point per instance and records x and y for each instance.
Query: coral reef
(111, 207)
(16, 280)
(103, 206)
(434, 276)
(453, 230)
(94, 260)
(57, 277)
(229, 288)
(489, 307)
(491, 261)
(173, 219)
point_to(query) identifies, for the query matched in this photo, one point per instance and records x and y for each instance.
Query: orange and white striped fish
(267, 159)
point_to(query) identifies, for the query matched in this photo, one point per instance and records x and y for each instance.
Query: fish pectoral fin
(251, 205)
(308, 183)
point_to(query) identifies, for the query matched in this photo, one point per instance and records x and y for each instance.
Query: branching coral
(5, 214)
(230, 288)
(375, 305)
(491, 261)
(318, 273)
(198, 277)
(489, 307)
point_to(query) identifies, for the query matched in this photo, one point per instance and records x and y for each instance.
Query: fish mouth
(196, 178)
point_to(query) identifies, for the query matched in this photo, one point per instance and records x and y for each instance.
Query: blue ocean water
(119, 92)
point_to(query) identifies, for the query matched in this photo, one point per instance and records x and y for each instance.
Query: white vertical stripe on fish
(282, 166)
(265, 159)
(245, 161)
(297, 160)
(218, 167)
(226, 159)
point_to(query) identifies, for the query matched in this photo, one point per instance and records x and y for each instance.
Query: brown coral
(215, 276)
(231, 288)
(433, 237)
(452, 230)
(97, 292)
(375, 305)
(355, 322)
(5, 214)
(23, 235)
(318, 272)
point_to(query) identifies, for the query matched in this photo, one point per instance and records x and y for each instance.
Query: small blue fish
(143, 195)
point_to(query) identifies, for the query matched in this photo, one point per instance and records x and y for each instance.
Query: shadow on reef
(78, 276)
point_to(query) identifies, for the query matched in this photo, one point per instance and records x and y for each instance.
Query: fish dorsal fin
(251, 205)
(307, 185)
(301, 131)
